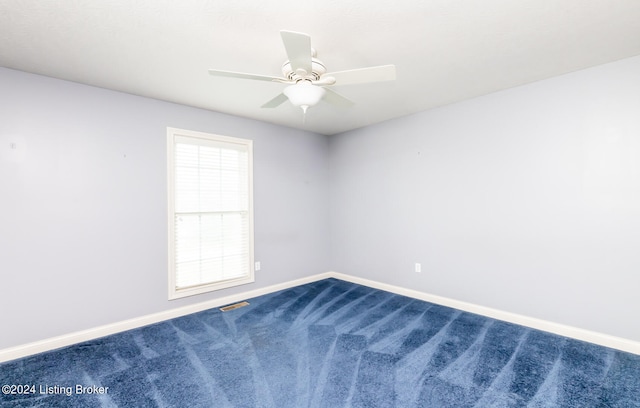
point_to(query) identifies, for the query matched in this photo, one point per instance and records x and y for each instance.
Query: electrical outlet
(257, 266)
(418, 268)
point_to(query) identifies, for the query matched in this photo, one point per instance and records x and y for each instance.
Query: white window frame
(173, 135)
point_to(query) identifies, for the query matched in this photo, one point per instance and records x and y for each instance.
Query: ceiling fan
(307, 77)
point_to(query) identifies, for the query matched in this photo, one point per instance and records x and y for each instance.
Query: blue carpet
(330, 344)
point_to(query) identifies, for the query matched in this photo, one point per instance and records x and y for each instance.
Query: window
(210, 212)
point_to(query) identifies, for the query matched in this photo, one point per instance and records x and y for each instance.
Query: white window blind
(211, 232)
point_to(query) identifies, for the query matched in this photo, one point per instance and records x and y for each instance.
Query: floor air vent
(234, 306)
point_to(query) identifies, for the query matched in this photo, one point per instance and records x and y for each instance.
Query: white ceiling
(444, 50)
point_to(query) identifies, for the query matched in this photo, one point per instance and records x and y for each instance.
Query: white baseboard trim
(13, 353)
(544, 325)
(53, 343)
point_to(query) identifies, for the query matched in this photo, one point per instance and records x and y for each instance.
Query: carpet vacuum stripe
(330, 344)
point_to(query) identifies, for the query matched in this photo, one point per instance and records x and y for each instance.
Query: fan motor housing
(317, 70)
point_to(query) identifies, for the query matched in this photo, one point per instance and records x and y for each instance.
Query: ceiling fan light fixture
(304, 94)
(307, 78)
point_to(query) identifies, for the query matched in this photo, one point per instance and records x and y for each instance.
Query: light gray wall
(526, 200)
(83, 227)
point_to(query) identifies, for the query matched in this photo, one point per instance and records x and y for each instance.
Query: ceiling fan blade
(364, 75)
(336, 99)
(298, 47)
(275, 102)
(231, 74)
